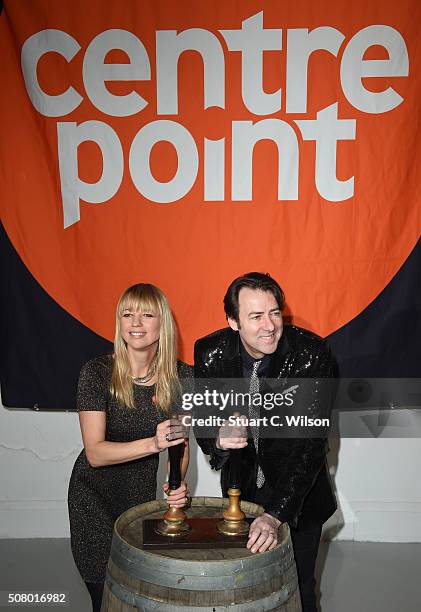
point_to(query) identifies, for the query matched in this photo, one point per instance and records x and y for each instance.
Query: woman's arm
(100, 452)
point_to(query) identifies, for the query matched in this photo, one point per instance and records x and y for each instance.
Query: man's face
(260, 322)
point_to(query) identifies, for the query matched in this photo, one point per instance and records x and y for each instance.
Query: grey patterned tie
(254, 413)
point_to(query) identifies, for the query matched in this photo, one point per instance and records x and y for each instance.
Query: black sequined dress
(97, 496)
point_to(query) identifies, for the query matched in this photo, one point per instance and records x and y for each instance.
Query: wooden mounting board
(203, 534)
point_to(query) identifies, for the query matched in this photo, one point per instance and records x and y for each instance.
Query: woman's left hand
(177, 497)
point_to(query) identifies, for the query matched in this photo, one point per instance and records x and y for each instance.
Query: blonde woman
(124, 402)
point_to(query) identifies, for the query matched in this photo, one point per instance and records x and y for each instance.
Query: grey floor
(352, 576)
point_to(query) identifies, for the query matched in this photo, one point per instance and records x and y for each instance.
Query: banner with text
(184, 143)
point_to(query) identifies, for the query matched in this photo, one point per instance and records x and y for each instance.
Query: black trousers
(306, 546)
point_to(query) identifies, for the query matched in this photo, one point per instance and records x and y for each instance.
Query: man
(287, 476)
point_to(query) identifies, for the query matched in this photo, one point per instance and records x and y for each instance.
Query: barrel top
(128, 530)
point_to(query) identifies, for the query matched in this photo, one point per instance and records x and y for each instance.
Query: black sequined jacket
(298, 489)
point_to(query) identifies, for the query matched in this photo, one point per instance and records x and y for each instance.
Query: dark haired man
(287, 476)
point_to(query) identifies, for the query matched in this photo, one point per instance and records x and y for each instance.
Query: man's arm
(305, 460)
(208, 446)
(228, 437)
(306, 456)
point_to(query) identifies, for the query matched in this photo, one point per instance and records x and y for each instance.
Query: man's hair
(252, 280)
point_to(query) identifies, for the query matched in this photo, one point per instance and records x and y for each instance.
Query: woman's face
(140, 329)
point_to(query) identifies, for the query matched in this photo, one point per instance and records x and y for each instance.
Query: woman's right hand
(169, 433)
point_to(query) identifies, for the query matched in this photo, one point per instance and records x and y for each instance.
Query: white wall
(378, 480)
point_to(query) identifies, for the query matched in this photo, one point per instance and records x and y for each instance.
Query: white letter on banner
(70, 136)
(326, 130)
(244, 136)
(214, 171)
(354, 67)
(169, 47)
(252, 40)
(301, 44)
(139, 161)
(96, 72)
(33, 49)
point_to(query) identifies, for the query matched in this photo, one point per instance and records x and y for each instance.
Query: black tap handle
(175, 454)
(235, 464)
(235, 468)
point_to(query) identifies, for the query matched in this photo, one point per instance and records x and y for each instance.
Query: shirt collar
(248, 361)
(234, 345)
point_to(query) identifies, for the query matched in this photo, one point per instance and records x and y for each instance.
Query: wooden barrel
(180, 580)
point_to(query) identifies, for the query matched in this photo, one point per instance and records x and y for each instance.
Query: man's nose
(268, 323)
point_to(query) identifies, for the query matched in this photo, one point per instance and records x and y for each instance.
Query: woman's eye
(127, 314)
(148, 315)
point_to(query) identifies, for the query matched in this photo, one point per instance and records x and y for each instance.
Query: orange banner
(186, 143)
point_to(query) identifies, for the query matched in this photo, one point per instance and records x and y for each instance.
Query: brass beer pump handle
(234, 523)
(174, 522)
(233, 512)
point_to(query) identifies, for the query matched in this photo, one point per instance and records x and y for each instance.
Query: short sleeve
(186, 376)
(92, 390)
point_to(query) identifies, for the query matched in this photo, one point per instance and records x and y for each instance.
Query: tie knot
(256, 367)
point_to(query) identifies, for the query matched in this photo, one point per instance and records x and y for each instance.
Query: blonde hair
(145, 297)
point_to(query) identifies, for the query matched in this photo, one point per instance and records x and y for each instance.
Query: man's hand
(233, 436)
(177, 497)
(263, 534)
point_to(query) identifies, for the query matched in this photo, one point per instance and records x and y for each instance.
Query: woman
(124, 402)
